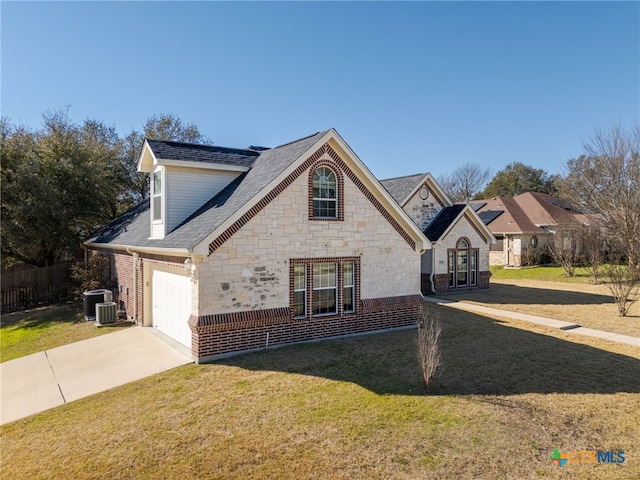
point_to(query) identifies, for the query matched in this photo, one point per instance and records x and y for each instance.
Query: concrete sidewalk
(60, 375)
(568, 327)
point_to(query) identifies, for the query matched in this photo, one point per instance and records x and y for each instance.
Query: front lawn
(588, 305)
(508, 395)
(546, 273)
(24, 333)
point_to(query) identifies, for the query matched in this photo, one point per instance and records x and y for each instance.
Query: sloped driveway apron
(47, 379)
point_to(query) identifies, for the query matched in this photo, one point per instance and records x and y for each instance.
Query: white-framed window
(299, 291)
(325, 193)
(157, 196)
(348, 287)
(463, 265)
(324, 286)
(325, 289)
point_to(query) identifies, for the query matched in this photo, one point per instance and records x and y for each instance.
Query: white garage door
(171, 296)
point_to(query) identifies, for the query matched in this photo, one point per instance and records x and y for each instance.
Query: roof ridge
(301, 139)
(405, 176)
(204, 145)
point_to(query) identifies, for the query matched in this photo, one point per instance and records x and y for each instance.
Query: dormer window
(157, 196)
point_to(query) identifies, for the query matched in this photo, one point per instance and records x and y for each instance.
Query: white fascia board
(431, 181)
(475, 218)
(167, 162)
(202, 248)
(179, 252)
(147, 159)
(422, 242)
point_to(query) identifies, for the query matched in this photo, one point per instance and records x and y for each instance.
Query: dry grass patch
(355, 408)
(590, 306)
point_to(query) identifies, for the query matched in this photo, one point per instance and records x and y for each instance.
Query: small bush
(429, 331)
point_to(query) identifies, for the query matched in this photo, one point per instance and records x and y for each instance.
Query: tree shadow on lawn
(500, 293)
(68, 312)
(480, 356)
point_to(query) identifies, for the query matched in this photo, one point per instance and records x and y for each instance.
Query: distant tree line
(64, 180)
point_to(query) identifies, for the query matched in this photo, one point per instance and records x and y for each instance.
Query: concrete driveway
(60, 375)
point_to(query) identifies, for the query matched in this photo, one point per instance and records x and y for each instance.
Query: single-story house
(459, 257)
(241, 249)
(524, 224)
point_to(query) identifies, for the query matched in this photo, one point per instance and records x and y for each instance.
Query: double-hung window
(348, 286)
(299, 290)
(157, 195)
(325, 289)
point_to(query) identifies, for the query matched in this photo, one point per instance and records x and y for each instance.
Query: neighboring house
(459, 258)
(524, 224)
(241, 249)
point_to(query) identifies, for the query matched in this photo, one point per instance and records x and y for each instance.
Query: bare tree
(465, 181)
(624, 285)
(429, 357)
(606, 181)
(594, 244)
(564, 247)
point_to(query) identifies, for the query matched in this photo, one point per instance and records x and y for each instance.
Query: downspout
(136, 257)
(433, 269)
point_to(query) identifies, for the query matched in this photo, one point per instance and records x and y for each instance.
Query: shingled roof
(133, 228)
(442, 221)
(202, 153)
(400, 187)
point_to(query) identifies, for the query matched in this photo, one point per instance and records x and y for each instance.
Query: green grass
(24, 333)
(508, 394)
(542, 273)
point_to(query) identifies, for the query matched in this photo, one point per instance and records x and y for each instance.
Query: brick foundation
(441, 282)
(215, 336)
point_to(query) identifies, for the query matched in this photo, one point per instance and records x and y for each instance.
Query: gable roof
(403, 188)
(442, 221)
(529, 212)
(164, 152)
(268, 167)
(449, 216)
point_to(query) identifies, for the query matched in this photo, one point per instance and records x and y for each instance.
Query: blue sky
(411, 86)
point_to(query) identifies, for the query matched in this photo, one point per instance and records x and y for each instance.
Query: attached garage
(171, 303)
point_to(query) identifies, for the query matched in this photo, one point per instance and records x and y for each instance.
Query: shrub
(429, 331)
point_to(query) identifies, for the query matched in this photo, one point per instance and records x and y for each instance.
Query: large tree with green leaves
(61, 182)
(517, 178)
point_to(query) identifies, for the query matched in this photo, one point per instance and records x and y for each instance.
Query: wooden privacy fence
(24, 286)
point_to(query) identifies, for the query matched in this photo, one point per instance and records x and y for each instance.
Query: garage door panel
(171, 296)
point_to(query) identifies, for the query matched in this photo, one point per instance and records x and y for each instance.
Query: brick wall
(224, 334)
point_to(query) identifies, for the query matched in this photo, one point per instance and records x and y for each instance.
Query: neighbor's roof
(528, 212)
(133, 227)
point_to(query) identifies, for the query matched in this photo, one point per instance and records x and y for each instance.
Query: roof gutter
(180, 252)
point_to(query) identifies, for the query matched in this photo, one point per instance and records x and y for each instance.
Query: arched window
(463, 265)
(325, 193)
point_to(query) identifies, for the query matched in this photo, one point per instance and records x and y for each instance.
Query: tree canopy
(64, 180)
(517, 178)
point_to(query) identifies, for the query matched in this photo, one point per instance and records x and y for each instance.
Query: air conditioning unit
(106, 312)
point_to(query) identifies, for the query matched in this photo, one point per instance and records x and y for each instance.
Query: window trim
(471, 264)
(339, 200)
(157, 216)
(339, 288)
